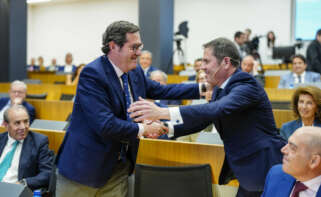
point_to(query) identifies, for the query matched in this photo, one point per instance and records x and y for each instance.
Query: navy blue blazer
(243, 116)
(170, 102)
(289, 127)
(98, 122)
(31, 110)
(62, 68)
(35, 160)
(150, 70)
(280, 184)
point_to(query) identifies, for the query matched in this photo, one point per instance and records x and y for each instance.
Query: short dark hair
(117, 32)
(319, 32)
(198, 59)
(13, 107)
(223, 47)
(238, 34)
(298, 56)
(312, 91)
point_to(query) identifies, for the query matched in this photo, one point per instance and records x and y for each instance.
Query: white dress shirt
(12, 173)
(68, 68)
(119, 73)
(313, 186)
(296, 77)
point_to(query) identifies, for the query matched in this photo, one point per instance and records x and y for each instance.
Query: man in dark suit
(241, 113)
(17, 95)
(314, 54)
(145, 61)
(100, 147)
(25, 156)
(300, 173)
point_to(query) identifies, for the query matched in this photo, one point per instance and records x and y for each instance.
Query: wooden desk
(51, 110)
(282, 116)
(172, 79)
(275, 94)
(53, 91)
(47, 77)
(272, 81)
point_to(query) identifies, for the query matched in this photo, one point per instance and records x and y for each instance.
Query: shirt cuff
(140, 131)
(175, 116)
(170, 129)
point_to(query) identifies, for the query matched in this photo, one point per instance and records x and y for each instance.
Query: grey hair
(13, 108)
(148, 52)
(159, 72)
(17, 82)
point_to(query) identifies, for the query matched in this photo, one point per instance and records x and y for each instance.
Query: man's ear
(112, 45)
(315, 161)
(5, 124)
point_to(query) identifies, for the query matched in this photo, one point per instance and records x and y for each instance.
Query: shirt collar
(225, 82)
(117, 70)
(313, 184)
(297, 76)
(12, 140)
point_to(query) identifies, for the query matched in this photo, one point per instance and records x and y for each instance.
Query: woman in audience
(306, 104)
(72, 79)
(266, 48)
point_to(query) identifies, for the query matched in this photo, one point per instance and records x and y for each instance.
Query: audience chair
(184, 181)
(37, 96)
(209, 138)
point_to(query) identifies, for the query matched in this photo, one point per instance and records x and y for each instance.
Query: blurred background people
(33, 66)
(306, 105)
(53, 66)
(251, 66)
(17, 95)
(72, 79)
(298, 75)
(145, 61)
(69, 67)
(239, 41)
(314, 53)
(197, 67)
(41, 63)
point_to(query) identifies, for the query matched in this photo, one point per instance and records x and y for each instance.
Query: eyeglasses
(136, 47)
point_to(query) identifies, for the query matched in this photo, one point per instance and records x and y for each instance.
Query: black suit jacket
(35, 159)
(314, 56)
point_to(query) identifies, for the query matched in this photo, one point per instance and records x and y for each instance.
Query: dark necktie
(124, 77)
(299, 77)
(298, 187)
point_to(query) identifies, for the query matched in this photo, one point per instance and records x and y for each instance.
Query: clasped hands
(149, 114)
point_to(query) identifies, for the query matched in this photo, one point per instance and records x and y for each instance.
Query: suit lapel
(3, 141)
(286, 185)
(319, 192)
(26, 152)
(114, 80)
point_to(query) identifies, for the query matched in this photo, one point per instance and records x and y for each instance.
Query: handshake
(150, 115)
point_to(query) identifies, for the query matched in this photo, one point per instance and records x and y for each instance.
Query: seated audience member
(197, 67)
(41, 64)
(68, 67)
(266, 48)
(306, 104)
(32, 66)
(250, 65)
(201, 78)
(25, 156)
(72, 79)
(299, 175)
(314, 54)
(145, 61)
(239, 41)
(299, 75)
(161, 77)
(53, 66)
(17, 95)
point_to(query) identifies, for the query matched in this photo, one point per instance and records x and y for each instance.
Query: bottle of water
(37, 193)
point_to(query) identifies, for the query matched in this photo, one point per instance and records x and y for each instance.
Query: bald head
(311, 137)
(248, 63)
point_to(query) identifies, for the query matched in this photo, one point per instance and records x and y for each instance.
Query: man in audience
(241, 113)
(161, 78)
(314, 54)
(250, 66)
(239, 40)
(299, 75)
(197, 67)
(25, 156)
(17, 95)
(300, 173)
(32, 66)
(145, 61)
(53, 66)
(100, 147)
(69, 67)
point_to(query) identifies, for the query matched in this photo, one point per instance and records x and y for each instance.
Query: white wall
(77, 26)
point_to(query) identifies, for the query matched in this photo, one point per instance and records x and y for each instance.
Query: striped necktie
(6, 162)
(124, 78)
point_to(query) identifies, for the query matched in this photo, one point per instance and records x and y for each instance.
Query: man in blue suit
(145, 61)
(30, 163)
(17, 95)
(300, 173)
(299, 75)
(241, 113)
(100, 146)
